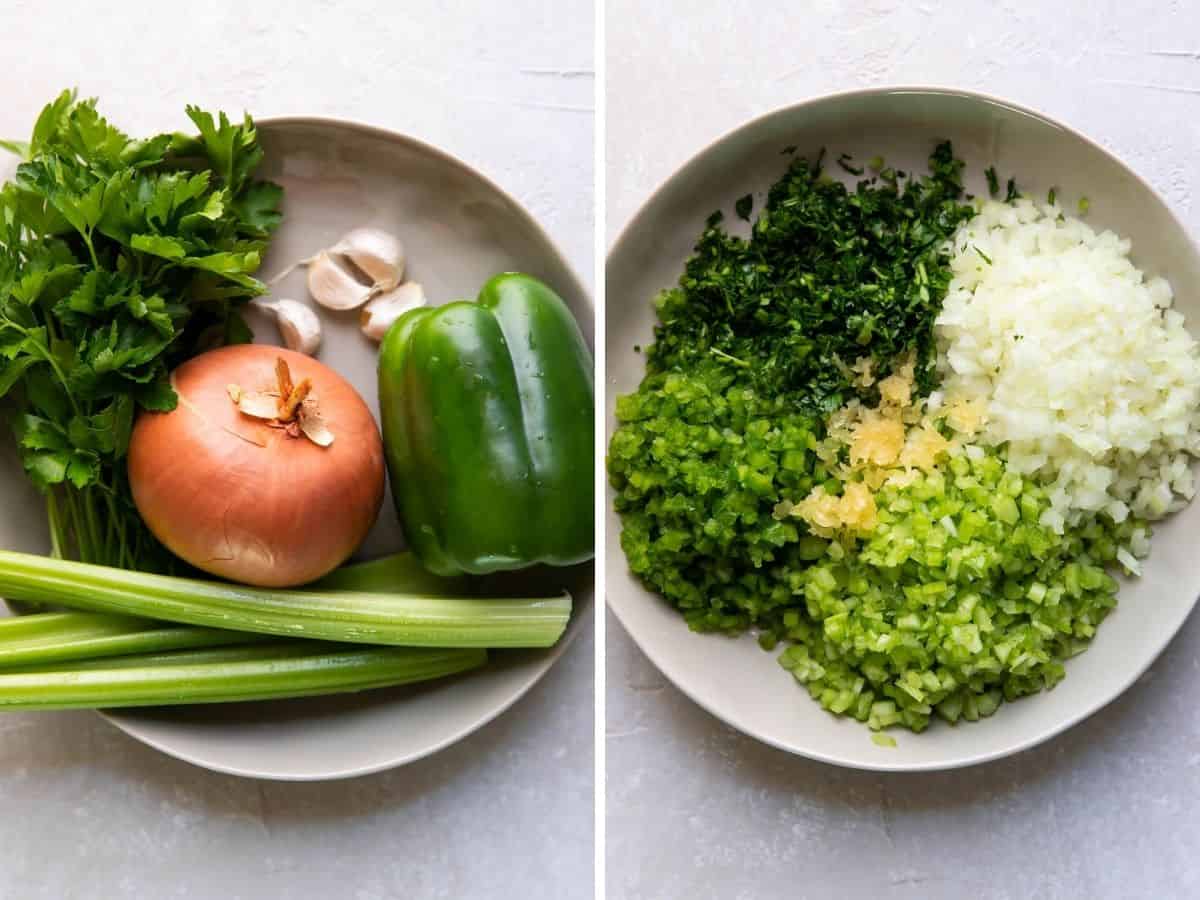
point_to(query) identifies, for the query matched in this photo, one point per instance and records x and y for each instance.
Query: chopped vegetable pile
(958, 598)
(758, 337)
(788, 465)
(827, 276)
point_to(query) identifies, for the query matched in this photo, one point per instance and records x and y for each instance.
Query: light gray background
(89, 813)
(1112, 808)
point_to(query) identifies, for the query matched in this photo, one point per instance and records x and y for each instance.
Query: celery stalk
(43, 638)
(396, 572)
(230, 675)
(271, 648)
(416, 619)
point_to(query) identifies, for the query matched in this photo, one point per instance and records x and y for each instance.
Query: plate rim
(579, 615)
(624, 236)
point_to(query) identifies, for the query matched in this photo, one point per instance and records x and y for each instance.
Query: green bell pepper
(487, 411)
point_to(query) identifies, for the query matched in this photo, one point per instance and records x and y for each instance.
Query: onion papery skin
(246, 501)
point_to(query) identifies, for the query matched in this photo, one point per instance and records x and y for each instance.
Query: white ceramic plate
(458, 229)
(733, 678)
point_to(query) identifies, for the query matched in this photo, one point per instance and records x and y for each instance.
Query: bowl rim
(735, 718)
(579, 614)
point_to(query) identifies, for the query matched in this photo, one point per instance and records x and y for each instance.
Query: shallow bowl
(733, 678)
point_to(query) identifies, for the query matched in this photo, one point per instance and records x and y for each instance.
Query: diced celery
(957, 600)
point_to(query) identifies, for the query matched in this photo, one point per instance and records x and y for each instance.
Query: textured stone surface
(1108, 810)
(88, 812)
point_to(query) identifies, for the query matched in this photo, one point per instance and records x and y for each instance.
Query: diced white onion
(1088, 376)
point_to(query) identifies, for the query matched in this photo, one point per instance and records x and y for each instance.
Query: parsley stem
(87, 239)
(725, 356)
(93, 526)
(117, 523)
(47, 353)
(55, 526)
(44, 353)
(83, 544)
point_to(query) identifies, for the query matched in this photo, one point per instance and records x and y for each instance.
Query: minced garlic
(877, 441)
(826, 514)
(922, 447)
(886, 445)
(966, 416)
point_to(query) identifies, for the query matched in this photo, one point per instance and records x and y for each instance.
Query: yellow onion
(234, 485)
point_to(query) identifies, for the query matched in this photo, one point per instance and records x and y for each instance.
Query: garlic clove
(377, 254)
(298, 325)
(379, 315)
(333, 286)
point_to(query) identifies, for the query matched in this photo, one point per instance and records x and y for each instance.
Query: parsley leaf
(258, 208)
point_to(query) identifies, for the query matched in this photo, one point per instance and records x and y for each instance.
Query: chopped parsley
(828, 274)
(844, 161)
(993, 180)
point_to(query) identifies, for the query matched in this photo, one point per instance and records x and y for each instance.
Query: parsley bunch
(119, 258)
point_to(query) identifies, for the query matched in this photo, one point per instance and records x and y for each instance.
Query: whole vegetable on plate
(229, 674)
(114, 657)
(248, 480)
(119, 259)
(380, 602)
(487, 422)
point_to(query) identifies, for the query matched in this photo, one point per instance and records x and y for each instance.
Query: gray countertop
(90, 813)
(1108, 810)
